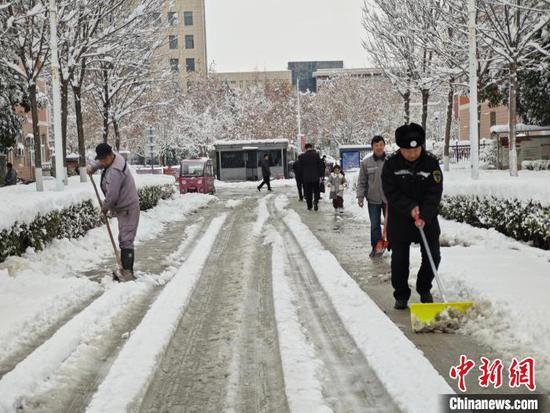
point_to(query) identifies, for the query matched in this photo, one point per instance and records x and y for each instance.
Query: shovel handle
(117, 255)
(432, 264)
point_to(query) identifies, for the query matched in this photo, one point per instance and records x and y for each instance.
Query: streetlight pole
(59, 155)
(474, 138)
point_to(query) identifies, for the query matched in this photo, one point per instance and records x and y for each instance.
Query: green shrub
(71, 222)
(524, 221)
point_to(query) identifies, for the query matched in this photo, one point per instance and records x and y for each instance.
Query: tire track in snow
(70, 386)
(349, 383)
(224, 354)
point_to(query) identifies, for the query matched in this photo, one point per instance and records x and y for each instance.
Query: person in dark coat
(312, 171)
(11, 175)
(266, 173)
(413, 184)
(296, 167)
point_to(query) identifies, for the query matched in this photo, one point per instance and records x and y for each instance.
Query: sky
(247, 35)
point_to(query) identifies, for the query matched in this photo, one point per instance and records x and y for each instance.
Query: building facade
(22, 156)
(304, 71)
(247, 79)
(489, 116)
(184, 50)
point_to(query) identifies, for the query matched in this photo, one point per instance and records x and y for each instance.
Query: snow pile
(303, 389)
(409, 377)
(263, 215)
(44, 361)
(21, 203)
(40, 288)
(132, 371)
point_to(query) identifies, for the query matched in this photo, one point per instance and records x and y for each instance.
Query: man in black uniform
(297, 168)
(312, 172)
(413, 183)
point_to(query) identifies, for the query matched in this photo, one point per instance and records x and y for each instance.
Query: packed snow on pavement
(507, 279)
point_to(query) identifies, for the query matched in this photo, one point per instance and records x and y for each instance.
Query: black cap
(410, 136)
(103, 150)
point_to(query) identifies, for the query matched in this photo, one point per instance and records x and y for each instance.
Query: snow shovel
(382, 244)
(118, 271)
(430, 317)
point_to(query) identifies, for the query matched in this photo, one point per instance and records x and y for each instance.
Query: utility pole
(299, 116)
(474, 137)
(59, 155)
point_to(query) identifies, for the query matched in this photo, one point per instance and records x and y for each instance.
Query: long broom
(118, 271)
(429, 317)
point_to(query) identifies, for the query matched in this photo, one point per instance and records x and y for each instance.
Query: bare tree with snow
(511, 29)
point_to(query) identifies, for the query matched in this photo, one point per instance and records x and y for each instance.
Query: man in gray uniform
(369, 185)
(121, 199)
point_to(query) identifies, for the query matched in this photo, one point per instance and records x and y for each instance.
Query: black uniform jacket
(407, 185)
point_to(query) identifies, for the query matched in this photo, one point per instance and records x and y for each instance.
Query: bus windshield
(190, 169)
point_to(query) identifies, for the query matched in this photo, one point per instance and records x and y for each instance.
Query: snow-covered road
(245, 303)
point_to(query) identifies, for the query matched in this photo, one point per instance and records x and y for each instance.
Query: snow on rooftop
(252, 142)
(520, 127)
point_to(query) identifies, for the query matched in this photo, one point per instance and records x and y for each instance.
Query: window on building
(172, 18)
(188, 18)
(275, 157)
(232, 159)
(190, 64)
(189, 41)
(173, 41)
(174, 65)
(493, 118)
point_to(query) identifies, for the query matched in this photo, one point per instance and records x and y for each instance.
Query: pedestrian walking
(312, 173)
(266, 173)
(369, 186)
(296, 167)
(121, 200)
(337, 182)
(412, 182)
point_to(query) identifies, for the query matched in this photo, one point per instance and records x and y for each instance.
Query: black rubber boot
(400, 305)
(127, 257)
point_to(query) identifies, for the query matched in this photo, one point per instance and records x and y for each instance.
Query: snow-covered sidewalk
(507, 278)
(21, 203)
(40, 289)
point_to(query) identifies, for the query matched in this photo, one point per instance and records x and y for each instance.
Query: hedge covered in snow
(525, 221)
(69, 221)
(538, 165)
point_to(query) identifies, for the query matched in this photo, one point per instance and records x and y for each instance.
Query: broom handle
(432, 263)
(117, 255)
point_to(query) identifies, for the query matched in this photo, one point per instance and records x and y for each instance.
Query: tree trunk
(425, 99)
(37, 138)
(512, 110)
(448, 123)
(407, 106)
(117, 134)
(106, 105)
(80, 132)
(64, 115)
